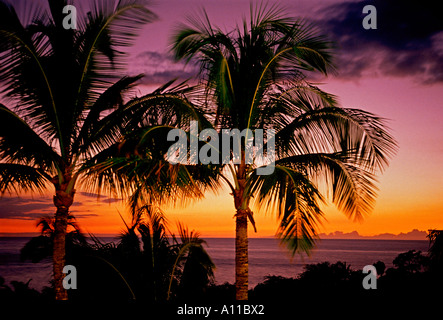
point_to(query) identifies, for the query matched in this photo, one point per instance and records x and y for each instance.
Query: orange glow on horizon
(214, 217)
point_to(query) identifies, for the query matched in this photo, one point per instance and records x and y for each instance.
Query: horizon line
(414, 234)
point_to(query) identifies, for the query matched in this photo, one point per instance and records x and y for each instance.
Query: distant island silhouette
(411, 235)
(415, 234)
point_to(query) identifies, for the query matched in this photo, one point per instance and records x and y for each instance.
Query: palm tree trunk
(241, 235)
(62, 201)
(241, 255)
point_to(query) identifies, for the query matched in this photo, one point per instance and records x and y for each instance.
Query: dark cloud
(408, 40)
(160, 68)
(99, 197)
(83, 214)
(25, 208)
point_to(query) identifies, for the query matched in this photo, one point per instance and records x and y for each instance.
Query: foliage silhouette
(20, 291)
(409, 279)
(148, 263)
(436, 250)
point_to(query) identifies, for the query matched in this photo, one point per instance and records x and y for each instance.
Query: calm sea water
(266, 257)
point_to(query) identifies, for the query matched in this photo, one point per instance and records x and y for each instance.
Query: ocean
(266, 257)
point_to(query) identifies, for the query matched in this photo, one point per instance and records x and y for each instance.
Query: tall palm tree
(66, 105)
(255, 78)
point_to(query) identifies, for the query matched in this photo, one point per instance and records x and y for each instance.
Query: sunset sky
(395, 71)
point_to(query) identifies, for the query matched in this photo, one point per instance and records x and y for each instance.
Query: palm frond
(19, 143)
(140, 155)
(289, 101)
(196, 260)
(272, 49)
(295, 199)
(353, 188)
(146, 180)
(167, 106)
(107, 27)
(311, 50)
(111, 99)
(46, 225)
(360, 134)
(24, 72)
(18, 178)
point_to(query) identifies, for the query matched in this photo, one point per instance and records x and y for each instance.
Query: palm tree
(254, 78)
(41, 247)
(67, 106)
(198, 269)
(164, 265)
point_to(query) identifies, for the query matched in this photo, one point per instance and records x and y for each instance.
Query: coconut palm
(41, 247)
(67, 107)
(255, 78)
